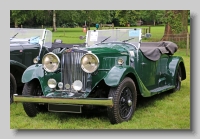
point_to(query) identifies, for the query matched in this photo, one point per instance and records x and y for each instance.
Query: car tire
(13, 87)
(33, 88)
(124, 98)
(177, 80)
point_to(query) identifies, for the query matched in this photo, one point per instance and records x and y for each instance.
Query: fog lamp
(60, 85)
(77, 85)
(52, 83)
(67, 86)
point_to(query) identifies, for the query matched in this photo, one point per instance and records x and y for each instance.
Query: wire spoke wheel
(124, 101)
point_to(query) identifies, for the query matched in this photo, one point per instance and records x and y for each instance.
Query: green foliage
(127, 16)
(174, 20)
(20, 16)
(122, 17)
(152, 15)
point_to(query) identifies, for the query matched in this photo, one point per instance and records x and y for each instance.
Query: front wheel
(33, 88)
(124, 100)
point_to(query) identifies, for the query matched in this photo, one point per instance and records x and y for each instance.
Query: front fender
(118, 73)
(32, 72)
(15, 63)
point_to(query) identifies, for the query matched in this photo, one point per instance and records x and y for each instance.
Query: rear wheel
(177, 80)
(13, 87)
(33, 88)
(124, 99)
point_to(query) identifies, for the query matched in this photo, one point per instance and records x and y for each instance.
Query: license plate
(65, 108)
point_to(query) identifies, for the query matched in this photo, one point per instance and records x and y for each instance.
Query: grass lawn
(164, 111)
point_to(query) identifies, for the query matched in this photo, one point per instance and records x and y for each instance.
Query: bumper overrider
(61, 100)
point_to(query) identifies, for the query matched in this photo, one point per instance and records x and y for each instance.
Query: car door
(163, 71)
(16, 52)
(150, 73)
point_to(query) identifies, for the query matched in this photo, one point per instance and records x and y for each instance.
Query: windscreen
(113, 35)
(23, 35)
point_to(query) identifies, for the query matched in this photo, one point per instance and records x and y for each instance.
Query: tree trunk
(16, 23)
(89, 25)
(169, 34)
(54, 20)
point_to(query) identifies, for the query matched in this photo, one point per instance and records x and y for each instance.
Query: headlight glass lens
(52, 83)
(89, 63)
(50, 62)
(77, 85)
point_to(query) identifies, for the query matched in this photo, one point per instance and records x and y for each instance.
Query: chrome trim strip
(59, 100)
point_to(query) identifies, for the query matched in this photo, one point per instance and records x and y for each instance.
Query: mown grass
(164, 111)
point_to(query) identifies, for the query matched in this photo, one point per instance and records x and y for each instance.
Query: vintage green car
(25, 44)
(110, 71)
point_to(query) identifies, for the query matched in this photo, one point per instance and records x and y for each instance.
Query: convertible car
(110, 71)
(25, 45)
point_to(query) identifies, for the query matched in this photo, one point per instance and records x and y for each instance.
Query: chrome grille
(71, 68)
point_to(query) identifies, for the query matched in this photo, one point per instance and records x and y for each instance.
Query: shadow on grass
(143, 102)
(101, 112)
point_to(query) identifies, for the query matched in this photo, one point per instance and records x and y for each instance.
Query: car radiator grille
(71, 69)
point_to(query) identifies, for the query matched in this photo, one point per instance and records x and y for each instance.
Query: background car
(25, 45)
(110, 72)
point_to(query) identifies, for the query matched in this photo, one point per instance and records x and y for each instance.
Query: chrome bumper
(56, 100)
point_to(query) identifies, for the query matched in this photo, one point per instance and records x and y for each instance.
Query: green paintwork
(37, 72)
(118, 73)
(151, 77)
(17, 64)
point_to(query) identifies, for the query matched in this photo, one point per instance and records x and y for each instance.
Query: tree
(176, 25)
(152, 15)
(93, 16)
(54, 21)
(127, 16)
(20, 16)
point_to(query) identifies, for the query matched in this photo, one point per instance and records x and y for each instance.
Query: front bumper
(60, 100)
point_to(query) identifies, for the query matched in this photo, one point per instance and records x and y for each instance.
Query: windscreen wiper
(13, 36)
(127, 40)
(105, 39)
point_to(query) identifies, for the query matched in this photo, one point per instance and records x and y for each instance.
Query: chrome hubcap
(129, 102)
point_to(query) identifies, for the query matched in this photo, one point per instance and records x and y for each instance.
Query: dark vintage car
(25, 45)
(110, 72)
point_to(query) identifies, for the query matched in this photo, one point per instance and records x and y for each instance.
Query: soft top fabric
(153, 50)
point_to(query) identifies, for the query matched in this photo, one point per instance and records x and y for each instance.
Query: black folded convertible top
(153, 50)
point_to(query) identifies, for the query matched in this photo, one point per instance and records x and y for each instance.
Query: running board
(161, 89)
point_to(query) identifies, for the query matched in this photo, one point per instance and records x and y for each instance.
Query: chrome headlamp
(50, 62)
(89, 63)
